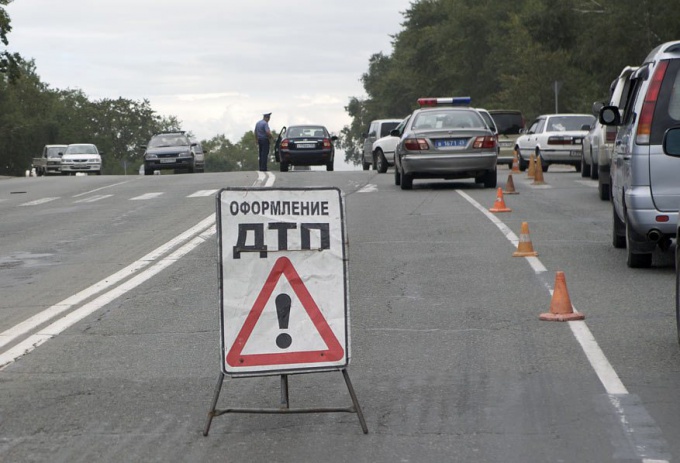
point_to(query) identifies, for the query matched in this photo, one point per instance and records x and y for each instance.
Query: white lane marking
(267, 177)
(509, 234)
(101, 188)
(369, 188)
(56, 328)
(38, 201)
(146, 196)
(202, 193)
(92, 199)
(598, 361)
(51, 312)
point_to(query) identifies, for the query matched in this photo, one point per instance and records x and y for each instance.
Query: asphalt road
(450, 361)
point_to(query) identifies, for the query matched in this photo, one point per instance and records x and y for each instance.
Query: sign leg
(357, 407)
(211, 413)
(285, 404)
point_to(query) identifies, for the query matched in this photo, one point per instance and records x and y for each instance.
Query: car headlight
(150, 156)
(184, 154)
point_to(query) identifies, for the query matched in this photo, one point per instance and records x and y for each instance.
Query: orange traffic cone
(499, 205)
(532, 166)
(524, 247)
(510, 186)
(515, 161)
(538, 176)
(560, 305)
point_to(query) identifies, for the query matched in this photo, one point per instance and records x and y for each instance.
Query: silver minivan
(645, 186)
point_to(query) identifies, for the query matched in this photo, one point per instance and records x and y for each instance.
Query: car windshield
(160, 141)
(564, 123)
(448, 119)
(508, 123)
(81, 149)
(309, 131)
(54, 151)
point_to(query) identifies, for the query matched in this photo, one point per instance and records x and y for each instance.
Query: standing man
(263, 135)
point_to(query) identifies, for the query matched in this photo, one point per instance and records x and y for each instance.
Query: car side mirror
(609, 115)
(334, 138)
(395, 133)
(364, 135)
(60, 154)
(585, 127)
(671, 142)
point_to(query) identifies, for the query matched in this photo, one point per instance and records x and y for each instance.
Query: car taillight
(416, 144)
(284, 143)
(326, 143)
(559, 140)
(644, 129)
(487, 142)
(610, 134)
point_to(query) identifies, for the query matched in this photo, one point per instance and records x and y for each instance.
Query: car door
(624, 144)
(371, 137)
(525, 142)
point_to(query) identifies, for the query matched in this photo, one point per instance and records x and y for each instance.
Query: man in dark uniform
(263, 135)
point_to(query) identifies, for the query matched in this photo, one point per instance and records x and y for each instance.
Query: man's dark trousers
(263, 155)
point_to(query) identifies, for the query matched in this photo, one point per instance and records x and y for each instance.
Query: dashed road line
(146, 196)
(92, 199)
(39, 201)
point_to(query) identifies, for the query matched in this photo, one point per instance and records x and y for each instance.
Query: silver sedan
(444, 141)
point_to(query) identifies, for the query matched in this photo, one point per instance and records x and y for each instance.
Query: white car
(383, 148)
(81, 157)
(555, 138)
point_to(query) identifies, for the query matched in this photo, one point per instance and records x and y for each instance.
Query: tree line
(508, 55)
(505, 55)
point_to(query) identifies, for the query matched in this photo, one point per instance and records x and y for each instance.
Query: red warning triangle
(335, 352)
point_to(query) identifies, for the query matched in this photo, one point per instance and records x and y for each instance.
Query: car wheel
(544, 165)
(397, 176)
(148, 171)
(283, 166)
(618, 231)
(593, 171)
(522, 163)
(406, 181)
(585, 170)
(490, 179)
(380, 161)
(329, 166)
(578, 166)
(677, 291)
(603, 190)
(636, 260)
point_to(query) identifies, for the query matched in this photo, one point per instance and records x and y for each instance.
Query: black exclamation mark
(283, 340)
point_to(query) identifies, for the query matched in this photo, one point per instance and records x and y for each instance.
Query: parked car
(170, 150)
(509, 123)
(383, 148)
(378, 128)
(445, 138)
(645, 188)
(81, 157)
(598, 143)
(305, 145)
(555, 138)
(199, 157)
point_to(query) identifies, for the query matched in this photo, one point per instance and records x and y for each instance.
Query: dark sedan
(305, 145)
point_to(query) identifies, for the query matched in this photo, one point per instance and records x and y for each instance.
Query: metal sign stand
(285, 404)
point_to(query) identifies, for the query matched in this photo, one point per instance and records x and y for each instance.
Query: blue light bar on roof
(449, 101)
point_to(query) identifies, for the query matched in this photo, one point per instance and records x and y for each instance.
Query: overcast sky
(215, 64)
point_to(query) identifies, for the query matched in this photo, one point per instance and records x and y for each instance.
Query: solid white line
(56, 328)
(33, 322)
(38, 201)
(146, 196)
(92, 199)
(101, 188)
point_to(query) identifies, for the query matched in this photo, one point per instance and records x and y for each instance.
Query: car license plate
(167, 161)
(575, 153)
(450, 142)
(306, 145)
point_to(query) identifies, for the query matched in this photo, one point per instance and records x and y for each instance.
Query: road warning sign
(283, 280)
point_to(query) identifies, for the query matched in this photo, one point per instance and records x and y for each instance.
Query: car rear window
(448, 119)
(667, 111)
(564, 123)
(387, 127)
(508, 123)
